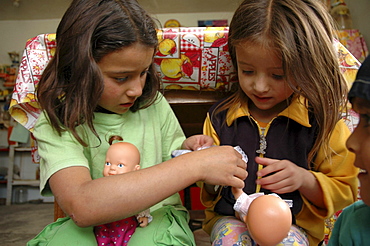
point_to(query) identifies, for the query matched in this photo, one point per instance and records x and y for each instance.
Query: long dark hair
(72, 83)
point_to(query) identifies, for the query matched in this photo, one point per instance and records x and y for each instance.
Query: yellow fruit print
(20, 116)
(172, 68)
(159, 35)
(30, 97)
(167, 47)
(52, 51)
(13, 102)
(342, 50)
(350, 60)
(173, 87)
(52, 36)
(189, 88)
(349, 75)
(213, 33)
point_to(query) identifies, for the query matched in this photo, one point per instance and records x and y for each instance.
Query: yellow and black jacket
(290, 136)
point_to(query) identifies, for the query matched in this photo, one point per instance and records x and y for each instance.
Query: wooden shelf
(190, 107)
(14, 182)
(22, 149)
(193, 97)
(30, 182)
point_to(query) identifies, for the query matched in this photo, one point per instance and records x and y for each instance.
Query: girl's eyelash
(278, 76)
(145, 72)
(367, 119)
(275, 76)
(121, 79)
(247, 71)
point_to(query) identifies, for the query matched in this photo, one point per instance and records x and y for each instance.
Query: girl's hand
(220, 165)
(283, 175)
(197, 141)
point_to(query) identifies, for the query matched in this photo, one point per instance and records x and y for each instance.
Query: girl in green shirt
(101, 82)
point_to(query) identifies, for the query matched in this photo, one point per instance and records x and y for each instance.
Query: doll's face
(121, 157)
(359, 143)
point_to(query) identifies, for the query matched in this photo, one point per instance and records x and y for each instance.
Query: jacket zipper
(263, 145)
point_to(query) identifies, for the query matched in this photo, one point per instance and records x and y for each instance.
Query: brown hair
(114, 138)
(72, 83)
(301, 32)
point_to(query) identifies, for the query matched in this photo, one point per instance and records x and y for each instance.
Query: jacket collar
(297, 111)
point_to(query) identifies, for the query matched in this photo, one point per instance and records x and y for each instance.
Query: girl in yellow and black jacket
(286, 116)
(289, 136)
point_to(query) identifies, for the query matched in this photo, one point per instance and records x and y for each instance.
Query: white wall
(14, 34)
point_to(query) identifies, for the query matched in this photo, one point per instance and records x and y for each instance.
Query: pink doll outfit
(119, 233)
(116, 233)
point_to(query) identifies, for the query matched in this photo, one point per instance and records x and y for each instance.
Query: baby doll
(121, 157)
(267, 217)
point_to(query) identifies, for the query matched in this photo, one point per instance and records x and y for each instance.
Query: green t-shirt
(352, 227)
(155, 131)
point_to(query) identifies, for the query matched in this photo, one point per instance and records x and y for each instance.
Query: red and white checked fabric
(191, 38)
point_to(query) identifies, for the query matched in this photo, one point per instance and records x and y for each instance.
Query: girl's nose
(136, 87)
(352, 141)
(260, 84)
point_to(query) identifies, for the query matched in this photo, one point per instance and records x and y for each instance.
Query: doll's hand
(284, 176)
(143, 221)
(237, 192)
(197, 141)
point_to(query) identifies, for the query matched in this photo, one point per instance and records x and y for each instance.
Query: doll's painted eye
(120, 165)
(108, 164)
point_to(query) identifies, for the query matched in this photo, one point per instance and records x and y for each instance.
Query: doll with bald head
(121, 157)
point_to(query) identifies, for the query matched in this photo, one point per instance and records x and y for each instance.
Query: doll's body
(121, 157)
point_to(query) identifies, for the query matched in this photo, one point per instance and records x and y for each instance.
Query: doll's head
(268, 220)
(121, 157)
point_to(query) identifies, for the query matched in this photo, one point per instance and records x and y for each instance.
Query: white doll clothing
(244, 201)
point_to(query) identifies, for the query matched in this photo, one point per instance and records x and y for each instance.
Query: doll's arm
(143, 221)
(144, 218)
(243, 201)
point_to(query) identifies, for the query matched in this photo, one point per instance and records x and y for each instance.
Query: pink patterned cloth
(353, 40)
(117, 233)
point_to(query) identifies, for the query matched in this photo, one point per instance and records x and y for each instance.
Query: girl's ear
(137, 167)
